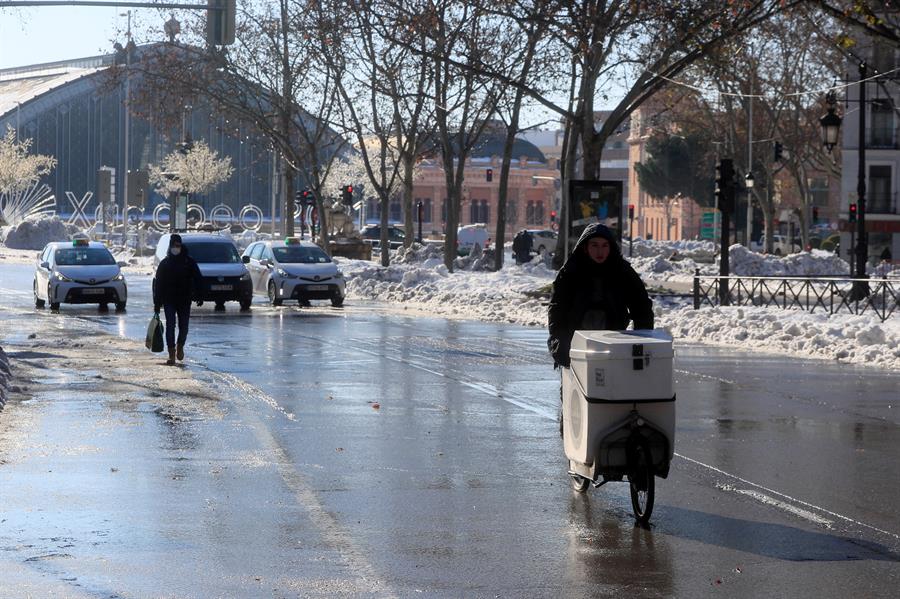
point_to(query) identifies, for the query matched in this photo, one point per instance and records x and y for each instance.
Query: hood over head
(598, 230)
(176, 238)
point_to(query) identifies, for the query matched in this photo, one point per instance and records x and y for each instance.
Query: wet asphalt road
(786, 481)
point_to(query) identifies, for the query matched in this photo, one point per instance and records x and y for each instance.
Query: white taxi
(78, 272)
(293, 269)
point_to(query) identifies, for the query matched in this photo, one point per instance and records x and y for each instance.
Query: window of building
(444, 210)
(881, 131)
(426, 209)
(396, 211)
(512, 212)
(880, 192)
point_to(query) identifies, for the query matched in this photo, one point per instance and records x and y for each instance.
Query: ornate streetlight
(831, 124)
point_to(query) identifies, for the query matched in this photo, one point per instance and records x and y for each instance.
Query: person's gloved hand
(559, 351)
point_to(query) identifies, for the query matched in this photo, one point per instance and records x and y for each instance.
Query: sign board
(595, 202)
(181, 207)
(709, 224)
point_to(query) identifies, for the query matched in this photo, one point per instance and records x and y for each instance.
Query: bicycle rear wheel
(642, 483)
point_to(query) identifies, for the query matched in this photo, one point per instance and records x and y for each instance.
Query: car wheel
(38, 302)
(220, 306)
(541, 250)
(103, 307)
(245, 305)
(54, 306)
(337, 302)
(120, 306)
(777, 251)
(273, 295)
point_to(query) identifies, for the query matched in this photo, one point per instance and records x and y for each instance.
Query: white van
(469, 235)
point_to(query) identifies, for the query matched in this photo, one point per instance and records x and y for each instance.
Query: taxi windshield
(213, 253)
(298, 254)
(84, 257)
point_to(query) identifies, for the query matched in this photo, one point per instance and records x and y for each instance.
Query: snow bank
(814, 263)
(695, 250)
(34, 234)
(5, 375)
(843, 337)
(419, 281)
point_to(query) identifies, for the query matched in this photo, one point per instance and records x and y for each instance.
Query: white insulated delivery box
(612, 375)
(623, 365)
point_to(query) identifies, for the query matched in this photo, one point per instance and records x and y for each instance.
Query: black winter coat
(624, 297)
(176, 281)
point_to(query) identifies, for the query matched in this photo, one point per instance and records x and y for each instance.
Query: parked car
(543, 240)
(78, 272)
(469, 235)
(293, 269)
(780, 245)
(396, 236)
(225, 277)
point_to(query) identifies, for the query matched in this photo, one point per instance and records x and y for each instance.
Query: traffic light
(553, 216)
(489, 175)
(851, 216)
(220, 22)
(725, 183)
(778, 151)
(630, 211)
(347, 195)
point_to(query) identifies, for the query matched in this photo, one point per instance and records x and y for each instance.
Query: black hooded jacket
(587, 295)
(176, 280)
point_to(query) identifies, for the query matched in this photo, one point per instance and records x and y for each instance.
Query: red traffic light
(489, 174)
(630, 210)
(349, 189)
(852, 215)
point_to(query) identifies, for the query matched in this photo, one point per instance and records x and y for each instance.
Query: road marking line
(771, 501)
(329, 527)
(788, 497)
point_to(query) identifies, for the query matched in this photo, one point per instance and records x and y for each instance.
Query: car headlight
(285, 274)
(245, 276)
(62, 277)
(119, 277)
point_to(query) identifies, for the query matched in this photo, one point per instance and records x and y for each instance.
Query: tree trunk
(288, 209)
(503, 191)
(563, 243)
(409, 164)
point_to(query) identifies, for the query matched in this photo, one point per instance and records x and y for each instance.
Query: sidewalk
(120, 476)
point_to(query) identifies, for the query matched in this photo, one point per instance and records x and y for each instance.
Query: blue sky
(46, 34)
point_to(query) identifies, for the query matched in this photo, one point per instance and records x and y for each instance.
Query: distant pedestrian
(596, 289)
(177, 277)
(522, 246)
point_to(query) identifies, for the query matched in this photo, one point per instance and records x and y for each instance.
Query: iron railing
(829, 294)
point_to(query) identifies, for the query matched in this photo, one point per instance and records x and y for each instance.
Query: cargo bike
(618, 412)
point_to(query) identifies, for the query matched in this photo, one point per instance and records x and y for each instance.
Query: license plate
(221, 287)
(317, 287)
(93, 291)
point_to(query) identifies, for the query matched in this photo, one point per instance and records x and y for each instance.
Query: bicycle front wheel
(643, 484)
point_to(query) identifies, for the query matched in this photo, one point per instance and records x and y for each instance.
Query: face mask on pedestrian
(175, 250)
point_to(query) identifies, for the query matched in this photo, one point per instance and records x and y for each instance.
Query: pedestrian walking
(522, 246)
(596, 289)
(176, 280)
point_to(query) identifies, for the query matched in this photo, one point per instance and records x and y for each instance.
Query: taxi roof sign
(81, 242)
(291, 241)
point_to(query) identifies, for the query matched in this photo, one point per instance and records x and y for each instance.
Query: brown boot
(171, 360)
(179, 352)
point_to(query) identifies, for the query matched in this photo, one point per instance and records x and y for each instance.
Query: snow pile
(844, 337)
(246, 237)
(418, 253)
(511, 295)
(428, 286)
(5, 375)
(658, 268)
(34, 234)
(695, 250)
(814, 263)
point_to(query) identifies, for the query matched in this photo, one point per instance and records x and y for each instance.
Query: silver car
(293, 269)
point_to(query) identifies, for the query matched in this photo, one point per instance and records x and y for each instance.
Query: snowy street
(380, 452)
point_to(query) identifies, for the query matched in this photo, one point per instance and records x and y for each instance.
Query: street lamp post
(831, 124)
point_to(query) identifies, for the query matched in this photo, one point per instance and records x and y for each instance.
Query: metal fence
(829, 294)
